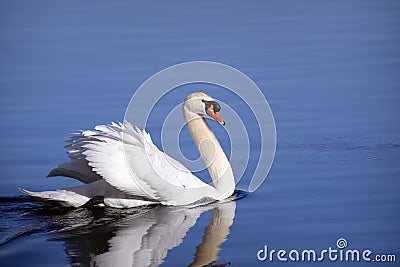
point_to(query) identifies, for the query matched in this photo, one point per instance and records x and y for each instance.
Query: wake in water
(18, 218)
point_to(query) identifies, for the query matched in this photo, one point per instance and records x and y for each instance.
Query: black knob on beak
(215, 105)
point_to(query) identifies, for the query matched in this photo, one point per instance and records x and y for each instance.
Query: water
(328, 70)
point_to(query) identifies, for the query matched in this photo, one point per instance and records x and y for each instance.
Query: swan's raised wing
(128, 160)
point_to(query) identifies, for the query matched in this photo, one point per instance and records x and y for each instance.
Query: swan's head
(202, 104)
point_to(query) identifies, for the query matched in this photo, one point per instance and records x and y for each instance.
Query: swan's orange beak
(215, 115)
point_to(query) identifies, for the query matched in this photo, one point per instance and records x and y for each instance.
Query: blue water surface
(329, 70)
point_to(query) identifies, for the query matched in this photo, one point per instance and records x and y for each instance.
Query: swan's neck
(212, 154)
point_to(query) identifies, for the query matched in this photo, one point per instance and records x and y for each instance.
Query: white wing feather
(128, 160)
(77, 167)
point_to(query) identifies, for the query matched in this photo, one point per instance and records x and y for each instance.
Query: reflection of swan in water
(144, 240)
(215, 234)
(121, 165)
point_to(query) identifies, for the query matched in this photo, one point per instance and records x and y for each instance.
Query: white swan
(121, 166)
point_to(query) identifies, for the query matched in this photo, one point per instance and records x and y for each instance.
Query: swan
(122, 168)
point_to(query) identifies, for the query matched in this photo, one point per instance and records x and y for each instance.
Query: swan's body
(121, 165)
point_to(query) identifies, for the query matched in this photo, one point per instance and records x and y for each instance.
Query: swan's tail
(82, 196)
(61, 198)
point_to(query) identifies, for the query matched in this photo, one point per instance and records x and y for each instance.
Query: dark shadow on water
(129, 237)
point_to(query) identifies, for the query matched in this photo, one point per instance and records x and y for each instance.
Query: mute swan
(122, 168)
